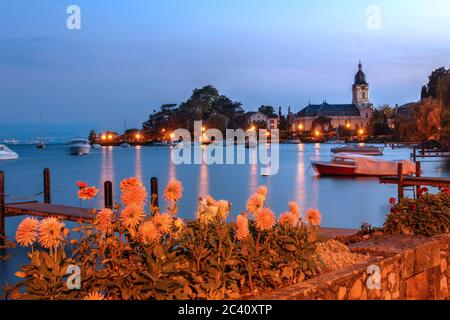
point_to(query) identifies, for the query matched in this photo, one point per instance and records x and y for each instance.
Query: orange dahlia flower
(149, 232)
(27, 232)
(82, 184)
(51, 232)
(288, 219)
(173, 191)
(164, 222)
(313, 216)
(264, 219)
(134, 195)
(242, 230)
(132, 216)
(104, 221)
(125, 184)
(87, 193)
(254, 203)
(262, 190)
(95, 295)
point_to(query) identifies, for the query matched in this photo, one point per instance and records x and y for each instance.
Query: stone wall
(408, 267)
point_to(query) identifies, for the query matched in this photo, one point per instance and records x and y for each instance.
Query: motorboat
(293, 141)
(125, 145)
(40, 145)
(79, 147)
(7, 154)
(96, 146)
(334, 141)
(359, 149)
(345, 164)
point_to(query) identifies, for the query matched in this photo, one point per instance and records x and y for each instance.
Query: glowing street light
(317, 133)
(172, 136)
(138, 136)
(300, 127)
(203, 129)
(110, 136)
(163, 130)
(103, 137)
(348, 125)
(361, 131)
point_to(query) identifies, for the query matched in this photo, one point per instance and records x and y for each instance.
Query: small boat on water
(7, 154)
(125, 145)
(292, 141)
(334, 141)
(96, 146)
(40, 145)
(79, 147)
(359, 149)
(360, 165)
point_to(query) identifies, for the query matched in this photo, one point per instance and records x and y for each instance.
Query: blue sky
(131, 56)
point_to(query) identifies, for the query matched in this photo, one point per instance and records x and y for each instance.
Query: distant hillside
(53, 132)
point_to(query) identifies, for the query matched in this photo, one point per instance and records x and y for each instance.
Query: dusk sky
(131, 56)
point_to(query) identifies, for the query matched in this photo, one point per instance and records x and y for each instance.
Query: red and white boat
(360, 165)
(359, 149)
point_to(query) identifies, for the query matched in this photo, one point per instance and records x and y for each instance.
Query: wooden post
(414, 154)
(418, 174)
(47, 194)
(108, 191)
(154, 192)
(2, 207)
(400, 181)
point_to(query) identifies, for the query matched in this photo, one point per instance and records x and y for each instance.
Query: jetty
(402, 181)
(47, 209)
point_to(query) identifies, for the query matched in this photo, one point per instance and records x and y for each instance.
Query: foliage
(429, 215)
(432, 86)
(161, 257)
(378, 124)
(205, 104)
(267, 110)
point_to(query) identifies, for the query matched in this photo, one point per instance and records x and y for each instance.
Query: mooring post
(414, 154)
(400, 181)
(47, 194)
(108, 191)
(418, 174)
(154, 192)
(2, 207)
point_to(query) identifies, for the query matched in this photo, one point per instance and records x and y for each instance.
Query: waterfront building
(271, 123)
(327, 116)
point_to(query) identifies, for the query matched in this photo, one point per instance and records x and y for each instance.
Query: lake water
(343, 202)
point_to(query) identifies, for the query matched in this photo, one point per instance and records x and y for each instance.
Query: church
(327, 116)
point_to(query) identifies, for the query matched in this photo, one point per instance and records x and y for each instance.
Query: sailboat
(40, 144)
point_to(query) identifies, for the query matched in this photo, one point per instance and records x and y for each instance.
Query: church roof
(329, 110)
(360, 76)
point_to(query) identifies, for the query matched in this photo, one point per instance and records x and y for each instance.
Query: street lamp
(361, 131)
(300, 127)
(317, 133)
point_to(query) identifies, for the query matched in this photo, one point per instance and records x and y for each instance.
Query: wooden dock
(417, 181)
(48, 209)
(38, 209)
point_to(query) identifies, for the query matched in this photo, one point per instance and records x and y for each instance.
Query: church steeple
(360, 89)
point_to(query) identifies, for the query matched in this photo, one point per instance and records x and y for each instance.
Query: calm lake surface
(343, 202)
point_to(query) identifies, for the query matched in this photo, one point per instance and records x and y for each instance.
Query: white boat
(125, 145)
(96, 146)
(7, 154)
(359, 165)
(79, 147)
(359, 149)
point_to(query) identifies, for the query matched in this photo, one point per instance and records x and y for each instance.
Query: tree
(444, 101)
(267, 110)
(92, 136)
(434, 78)
(424, 93)
(378, 124)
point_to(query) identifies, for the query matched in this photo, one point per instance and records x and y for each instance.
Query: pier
(47, 209)
(417, 181)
